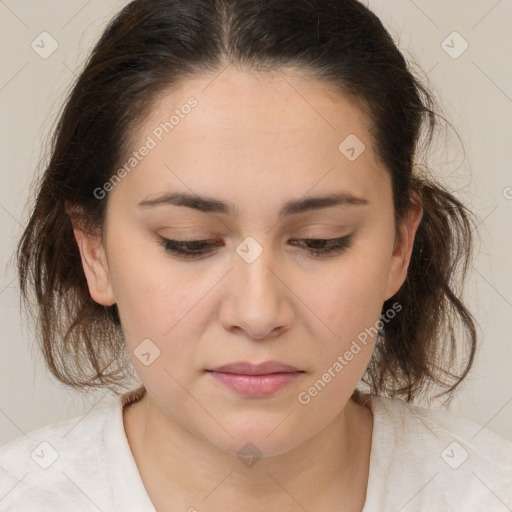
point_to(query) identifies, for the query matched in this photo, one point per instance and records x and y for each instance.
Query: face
(255, 289)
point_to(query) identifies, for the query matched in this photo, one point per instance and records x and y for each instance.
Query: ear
(94, 260)
(402, 250)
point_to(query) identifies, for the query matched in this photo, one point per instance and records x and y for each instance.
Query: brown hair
(152, 45)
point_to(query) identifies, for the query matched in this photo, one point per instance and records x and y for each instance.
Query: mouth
(256, 381)
(246, 368)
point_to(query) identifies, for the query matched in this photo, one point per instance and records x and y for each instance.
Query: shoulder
(438, 427)
(58, 463)
(438, 459)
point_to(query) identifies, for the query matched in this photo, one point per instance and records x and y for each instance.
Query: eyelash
(337, 245)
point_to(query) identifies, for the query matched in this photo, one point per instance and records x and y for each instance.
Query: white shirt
(421, 460)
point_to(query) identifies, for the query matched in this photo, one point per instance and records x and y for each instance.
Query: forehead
(258, 135)
(236, 103)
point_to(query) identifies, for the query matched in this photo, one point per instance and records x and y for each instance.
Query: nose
(257, 298)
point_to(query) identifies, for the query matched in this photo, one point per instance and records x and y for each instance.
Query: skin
(257, 141)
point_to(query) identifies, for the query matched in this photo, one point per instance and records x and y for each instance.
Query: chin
(247, 440)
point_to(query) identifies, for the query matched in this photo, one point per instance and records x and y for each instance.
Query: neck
(180, 470)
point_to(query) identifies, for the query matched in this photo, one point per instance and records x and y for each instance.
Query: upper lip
(246, 368)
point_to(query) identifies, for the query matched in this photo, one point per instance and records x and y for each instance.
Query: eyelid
(334, 247)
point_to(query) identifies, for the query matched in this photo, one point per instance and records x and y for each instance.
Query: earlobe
(402, 250)
(95, 265)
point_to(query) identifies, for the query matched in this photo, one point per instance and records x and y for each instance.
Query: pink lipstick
(255, 381)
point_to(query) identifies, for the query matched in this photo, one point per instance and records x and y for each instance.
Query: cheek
(152, 294)
(158, 303)
(349, 305)
(349, 297)
(161, 313)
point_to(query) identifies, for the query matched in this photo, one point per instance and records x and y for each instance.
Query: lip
(256, 386)
(246, 368)
(256, 381)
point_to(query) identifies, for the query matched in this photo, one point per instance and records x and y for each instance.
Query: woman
(233, 209)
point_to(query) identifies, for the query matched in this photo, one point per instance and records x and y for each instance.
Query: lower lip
(256, 385)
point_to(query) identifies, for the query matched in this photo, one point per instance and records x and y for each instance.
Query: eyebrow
(293, 207)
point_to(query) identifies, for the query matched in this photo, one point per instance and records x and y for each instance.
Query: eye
(188, 249)
(327, 247)
(198, 248)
